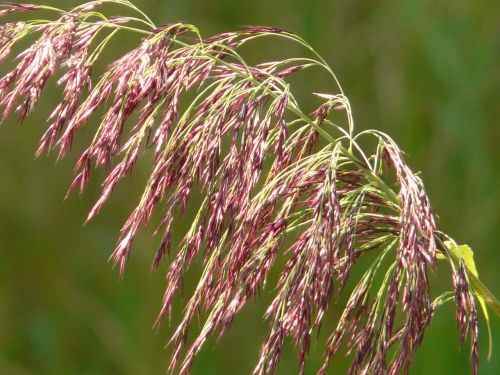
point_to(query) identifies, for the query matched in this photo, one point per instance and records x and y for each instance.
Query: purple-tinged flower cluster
(466, 314)
(236, 134)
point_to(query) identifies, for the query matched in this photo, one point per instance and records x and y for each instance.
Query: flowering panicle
(466, 314)
(236, 134)
(76, 80)
(37, 64)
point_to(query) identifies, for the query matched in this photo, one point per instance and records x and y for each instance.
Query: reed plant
(276, 181)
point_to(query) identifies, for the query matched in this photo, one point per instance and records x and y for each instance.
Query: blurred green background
(427, 72)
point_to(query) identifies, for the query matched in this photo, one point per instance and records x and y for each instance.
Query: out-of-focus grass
(425, 72)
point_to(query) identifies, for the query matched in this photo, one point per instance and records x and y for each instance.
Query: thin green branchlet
(270, 188)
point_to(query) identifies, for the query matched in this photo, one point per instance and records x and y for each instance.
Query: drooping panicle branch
(237, 134)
